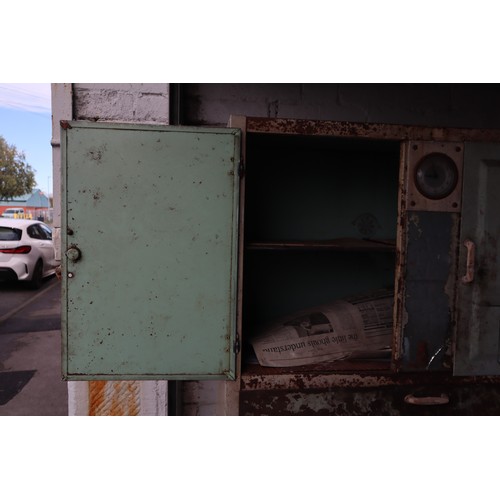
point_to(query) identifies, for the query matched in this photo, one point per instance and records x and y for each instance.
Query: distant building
(36, 205)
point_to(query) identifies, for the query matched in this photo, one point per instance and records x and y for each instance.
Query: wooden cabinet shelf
(340, 244)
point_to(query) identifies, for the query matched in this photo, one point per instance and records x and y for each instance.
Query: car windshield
(10, 234)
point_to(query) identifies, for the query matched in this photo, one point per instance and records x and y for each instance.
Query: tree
(16, 176)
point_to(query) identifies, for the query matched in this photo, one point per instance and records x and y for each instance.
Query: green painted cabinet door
(150, 235)
(478, 322)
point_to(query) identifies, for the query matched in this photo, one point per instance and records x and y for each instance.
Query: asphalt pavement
(30, 351)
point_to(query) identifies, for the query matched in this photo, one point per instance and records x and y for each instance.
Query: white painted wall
(121, 102)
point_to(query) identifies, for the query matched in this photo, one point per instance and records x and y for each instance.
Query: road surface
(30, 350)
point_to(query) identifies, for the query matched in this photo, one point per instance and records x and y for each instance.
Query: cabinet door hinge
(241, 168)
(236, 345)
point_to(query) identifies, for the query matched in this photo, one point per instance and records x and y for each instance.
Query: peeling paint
(466, 396)
(414, 219)
(368, 130)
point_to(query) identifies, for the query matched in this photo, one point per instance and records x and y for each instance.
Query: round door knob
(73, 254)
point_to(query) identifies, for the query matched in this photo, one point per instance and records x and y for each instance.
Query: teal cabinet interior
(320, 223)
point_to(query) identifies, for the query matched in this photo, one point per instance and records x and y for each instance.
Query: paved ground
(30, 352)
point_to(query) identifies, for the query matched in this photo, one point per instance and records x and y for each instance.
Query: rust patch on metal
(451, 290)
(422, 355)
(462, 399)
(65, 124)
(108, 398)
(400, 316)
(96, 395)
(256, 378)
(368, 130)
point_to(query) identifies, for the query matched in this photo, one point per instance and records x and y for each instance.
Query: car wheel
(37, 278)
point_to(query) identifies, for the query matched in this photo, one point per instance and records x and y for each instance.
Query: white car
(26, 251)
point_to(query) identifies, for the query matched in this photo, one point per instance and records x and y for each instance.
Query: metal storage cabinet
(432, 295)
(316, 201)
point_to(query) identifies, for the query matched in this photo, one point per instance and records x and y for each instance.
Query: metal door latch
(73, 253)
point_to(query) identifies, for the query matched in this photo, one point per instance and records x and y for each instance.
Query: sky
(25, 122)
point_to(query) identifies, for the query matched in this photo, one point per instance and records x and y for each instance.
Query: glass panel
(10, 234)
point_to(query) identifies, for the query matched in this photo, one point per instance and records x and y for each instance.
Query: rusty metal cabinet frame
(404, 372)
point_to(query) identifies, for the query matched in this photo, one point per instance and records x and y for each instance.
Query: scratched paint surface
(464, 399)
(153, 211)
(478, 338)
(428, 303)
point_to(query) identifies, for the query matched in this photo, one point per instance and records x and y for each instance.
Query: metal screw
(70, 275)
(73, 253)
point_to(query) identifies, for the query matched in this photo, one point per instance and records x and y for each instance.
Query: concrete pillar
(123, 102)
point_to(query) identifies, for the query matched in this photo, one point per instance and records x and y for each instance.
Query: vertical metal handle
(469, 267)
